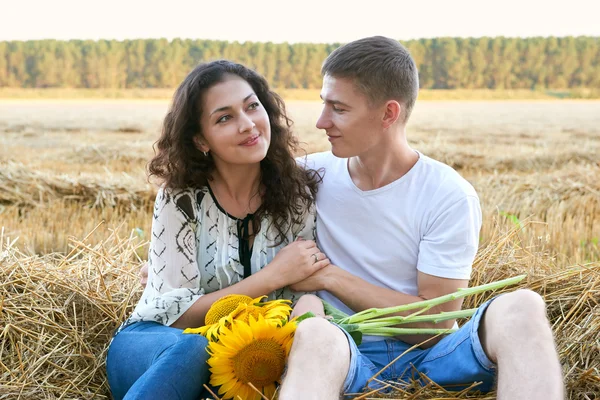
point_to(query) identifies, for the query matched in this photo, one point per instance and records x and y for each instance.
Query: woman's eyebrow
(224, 108)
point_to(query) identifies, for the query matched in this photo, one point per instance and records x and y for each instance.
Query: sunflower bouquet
(249, 342)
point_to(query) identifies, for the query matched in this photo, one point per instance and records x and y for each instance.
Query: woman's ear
(201, 144)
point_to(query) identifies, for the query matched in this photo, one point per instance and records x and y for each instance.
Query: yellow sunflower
(253, 352)
(225, 306)
(219, 315)
(236, 306)
(277, 311)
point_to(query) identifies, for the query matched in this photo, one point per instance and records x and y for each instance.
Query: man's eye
(337, 109)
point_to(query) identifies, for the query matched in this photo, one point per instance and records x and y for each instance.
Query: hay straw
(23, 186)
(57, 316)
(58, 313)
(525, 194)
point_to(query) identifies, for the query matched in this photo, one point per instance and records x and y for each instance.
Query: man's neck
(382, 165)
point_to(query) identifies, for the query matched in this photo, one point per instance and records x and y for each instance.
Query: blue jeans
(147, 360)
(455, 362)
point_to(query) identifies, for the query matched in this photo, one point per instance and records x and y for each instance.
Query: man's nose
(323, 122)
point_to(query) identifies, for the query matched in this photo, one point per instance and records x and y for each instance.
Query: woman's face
(235, 125)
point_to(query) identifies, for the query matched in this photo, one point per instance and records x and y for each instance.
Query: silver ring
(316, 258)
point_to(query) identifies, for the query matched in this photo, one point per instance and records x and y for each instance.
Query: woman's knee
(193, 347)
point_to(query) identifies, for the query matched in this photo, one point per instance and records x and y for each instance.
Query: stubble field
(67, 166)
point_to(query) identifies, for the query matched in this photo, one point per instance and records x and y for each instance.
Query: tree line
(443, 63)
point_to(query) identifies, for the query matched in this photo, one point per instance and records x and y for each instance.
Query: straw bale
(57, 314)
(23, 186)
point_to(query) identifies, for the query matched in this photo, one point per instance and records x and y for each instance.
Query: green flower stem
(427, 304)
(398, 320)
(404, 331)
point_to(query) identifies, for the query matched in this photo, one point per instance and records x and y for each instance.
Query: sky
(319, 21)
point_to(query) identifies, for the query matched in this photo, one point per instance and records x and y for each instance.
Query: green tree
(3, 64)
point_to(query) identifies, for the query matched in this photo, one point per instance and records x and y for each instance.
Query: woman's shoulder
(192, 192)
(182, 198)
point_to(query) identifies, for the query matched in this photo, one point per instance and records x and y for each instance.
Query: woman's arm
(293, 263)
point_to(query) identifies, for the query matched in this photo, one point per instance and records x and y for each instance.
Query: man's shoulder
(445, 180)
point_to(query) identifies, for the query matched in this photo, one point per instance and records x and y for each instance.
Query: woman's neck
(237, 188)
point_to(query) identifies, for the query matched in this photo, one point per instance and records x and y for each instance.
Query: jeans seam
(392, 367)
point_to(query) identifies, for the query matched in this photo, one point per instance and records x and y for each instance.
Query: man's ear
(393, 111)
(200, 143)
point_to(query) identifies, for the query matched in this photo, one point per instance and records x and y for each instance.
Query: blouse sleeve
(173, 273)
(307, 229)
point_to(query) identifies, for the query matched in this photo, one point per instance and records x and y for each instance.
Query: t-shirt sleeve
(450, 243)
(173, 274)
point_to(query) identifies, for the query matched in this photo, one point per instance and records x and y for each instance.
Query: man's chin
(339, 152)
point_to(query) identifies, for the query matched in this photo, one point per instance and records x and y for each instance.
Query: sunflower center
(260, 362)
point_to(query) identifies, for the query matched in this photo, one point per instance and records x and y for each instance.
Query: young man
(400, 227)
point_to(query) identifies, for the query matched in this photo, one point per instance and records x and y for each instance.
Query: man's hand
(316, 281)
(144, 274)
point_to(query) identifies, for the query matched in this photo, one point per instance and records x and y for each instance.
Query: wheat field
(67, 165)
(74, 198)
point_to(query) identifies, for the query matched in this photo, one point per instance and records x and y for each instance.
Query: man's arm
(446, 253)
(360, 295)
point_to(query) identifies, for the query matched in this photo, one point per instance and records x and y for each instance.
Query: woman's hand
(296, 261)
(144, 274)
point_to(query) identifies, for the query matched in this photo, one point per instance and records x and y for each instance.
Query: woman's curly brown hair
(289, 189)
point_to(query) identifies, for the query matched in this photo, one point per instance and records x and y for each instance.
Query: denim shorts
(455, 362)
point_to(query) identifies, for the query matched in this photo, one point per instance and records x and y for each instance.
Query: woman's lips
(251, 141)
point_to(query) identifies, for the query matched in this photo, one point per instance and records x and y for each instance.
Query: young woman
(227, 220)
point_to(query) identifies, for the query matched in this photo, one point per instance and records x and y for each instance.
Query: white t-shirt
(428, 220)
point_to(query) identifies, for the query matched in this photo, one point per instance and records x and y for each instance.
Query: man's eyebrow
(225, 108)
(335, 102)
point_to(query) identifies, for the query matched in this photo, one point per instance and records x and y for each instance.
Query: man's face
(352, 125)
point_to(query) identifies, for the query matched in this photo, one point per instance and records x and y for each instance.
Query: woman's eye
(224, 118)
(254, 106)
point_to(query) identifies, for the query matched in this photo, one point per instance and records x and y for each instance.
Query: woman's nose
(246, 123)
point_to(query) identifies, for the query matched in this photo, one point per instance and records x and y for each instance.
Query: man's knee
(516, 316)
(321, 336)
(320, 355)
(523, 307)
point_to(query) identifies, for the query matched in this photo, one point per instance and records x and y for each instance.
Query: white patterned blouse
(197, 248)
